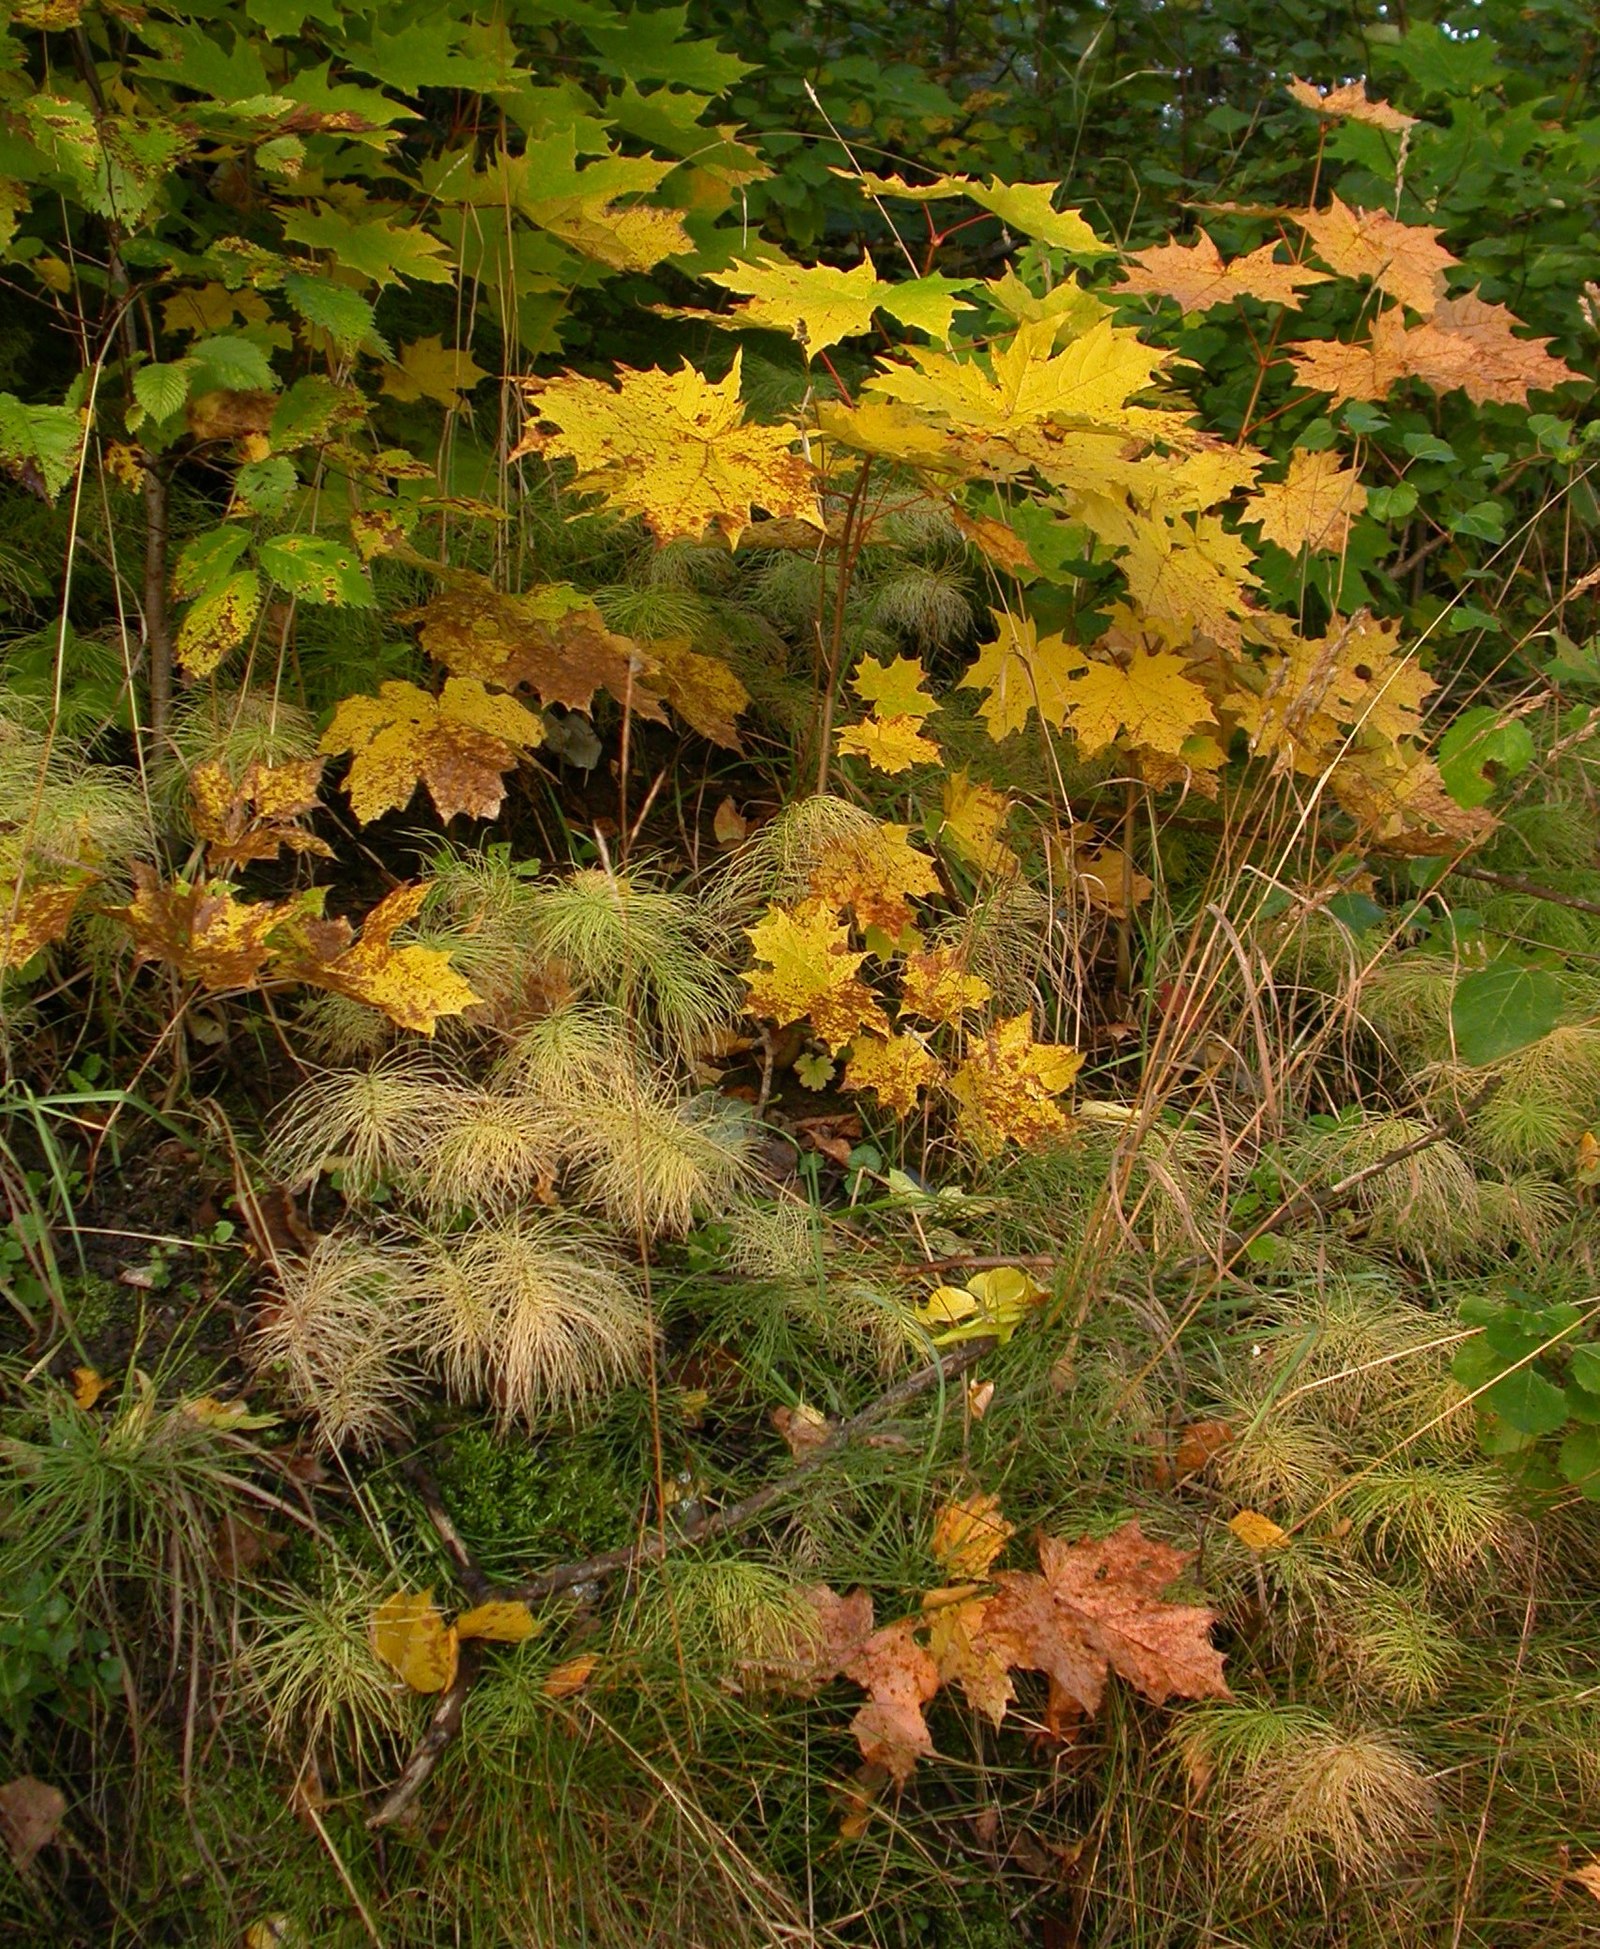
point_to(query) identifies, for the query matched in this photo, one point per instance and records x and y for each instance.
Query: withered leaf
(31, 1813)
(413, 985)
(256, 816)
(459, 744)
(550, 640)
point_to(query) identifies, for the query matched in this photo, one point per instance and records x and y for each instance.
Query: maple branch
(445, 1723)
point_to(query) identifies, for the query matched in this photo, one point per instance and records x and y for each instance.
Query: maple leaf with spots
(1350, 104)
(31, 918)
(673, 447)
(811, 972)
(1197, 279)
(874, 875)
(551, 640)
(897, 1068)
(1312, 506)
(258, 815)
(1403, 259)
(205, 931)
(459, 744)
(937, 987)
(411, 983)
(702, 690)
(897, 1674)
(1007, 1089)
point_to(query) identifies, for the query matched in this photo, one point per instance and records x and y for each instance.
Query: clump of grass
(641, 947)
(1426, 1204)
(1298, 1794)
(489, 1151)
(534, 1313)
(1456, 1519)
(375, 1124)
(338, 1029)
(309, 1668)
(577, 1054)
(777, 861)
(653, 1159)
(339, 1337)
(1548, 1095)
(730, 1614)
(60, 809)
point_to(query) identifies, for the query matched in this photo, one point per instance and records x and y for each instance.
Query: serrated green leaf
(228, 363)
(1585, 1368)
(162, 389)
(380, 249)
(207, 560)
(264, 486)
(1478, 740)
(343, 314)
(1527, 1402)
(1496, 1011)
(40, 445)
(317, 569)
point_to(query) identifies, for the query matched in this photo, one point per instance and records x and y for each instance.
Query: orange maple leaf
(897, 1674)
(1401, 258)
(551, 640)
(897, 1068)
(1312, 506)
(1351, 104)
(873, 875)
(1195, 276)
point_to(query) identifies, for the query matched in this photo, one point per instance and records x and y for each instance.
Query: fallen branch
(446, 1721)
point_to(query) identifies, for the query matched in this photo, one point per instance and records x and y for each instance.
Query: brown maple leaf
(204, 930)
(460, 744)
(898, 1675)
(1195, 276)
(32, 919)
(258, 815)
(550, 640)
(413, 985)
(1097, 1607)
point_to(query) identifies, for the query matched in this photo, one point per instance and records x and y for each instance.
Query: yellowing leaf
(1189, 578)
(873, 875)
(1007, 1087)
(550, 639)
(1312, 506)
(257, 817)
(889, 744)
(87, 1387)
(811, 972)
(968, 1535)
(1197, 278)
(1025, 207)
(625, 236)
(1146, 699)
(34, 917)
(1257, 1532)
(974, 816)
(218, 622)
(937, 987)
(896, 1067)
(1021, 672)
(702, 690)
(562, 1681)
(894, 433)
(205, 932)
(411, 1637)
(893, 689)
(817, 305)
(500, 1622)
(673, 447)
(413, 985)
(459, 744)
(1400, 258)
(1350, 104)
(428, 370)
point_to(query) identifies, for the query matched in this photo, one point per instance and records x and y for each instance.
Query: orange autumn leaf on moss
(673, 447)
(873, 875)
(896, 1672)
(1350, 103)
(1312, 506)
(897, 1068)
(1197, 279)
(1403, 259)
(811, 972)
(412, 984)
(459, 744)
(1008, 1086)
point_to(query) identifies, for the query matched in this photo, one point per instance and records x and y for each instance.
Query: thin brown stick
(1515, 883)
(446, 1721)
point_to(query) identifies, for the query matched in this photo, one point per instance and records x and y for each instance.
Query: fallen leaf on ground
(411, 1637)
(31, 1813)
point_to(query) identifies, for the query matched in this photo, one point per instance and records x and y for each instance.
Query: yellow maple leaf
(1312, 506)
(894, 433)
(499, 1621)
(550, 639)
(413, 985)
(969, 1534)
(1351, 104)
(936, 986)
(1021, 672)
(428, 370)
(409, 1634)
(872, 875)
(1353, 680)
(811, 971)
(624, 236)
(816, 304)
(256, 816)
(1401, 258)
(1190, 577)
(673, 447)
(1398, 799)
(889, 744)
(459, 744)
(893, 689)
(1146, 699)
(702, 690)
(973, 817)
(1195, 276)
(896, 1067)
(1008, 1086)
(1025, 207)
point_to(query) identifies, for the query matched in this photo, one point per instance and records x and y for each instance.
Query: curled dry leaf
(501, 1621)
(87, 1386)
(804, 1428)
(968, 1535)
(1257, 1532)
